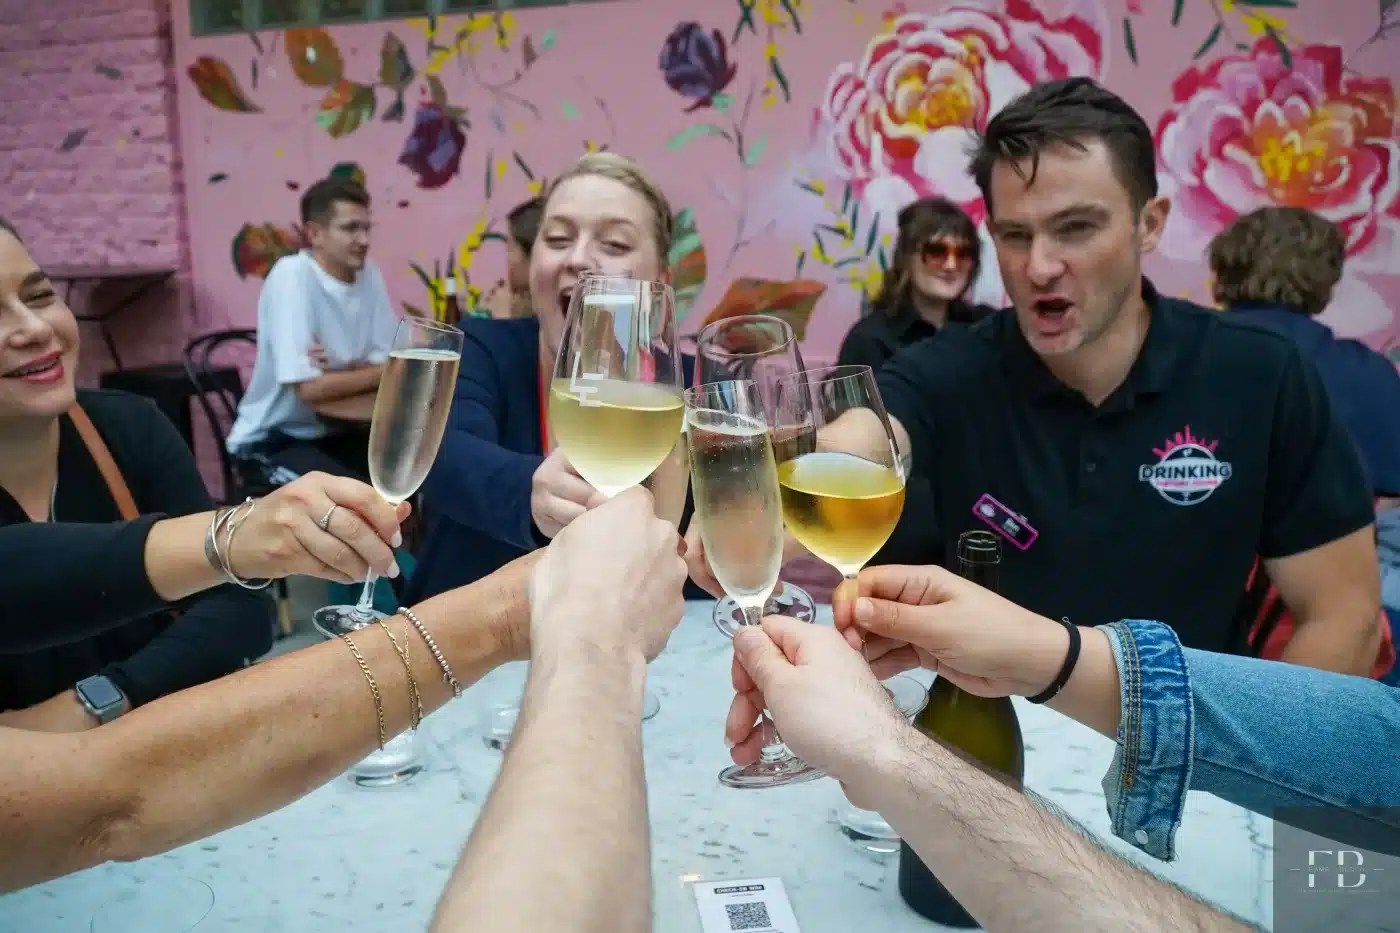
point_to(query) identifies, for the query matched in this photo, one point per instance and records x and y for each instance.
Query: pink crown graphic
(1182, 439)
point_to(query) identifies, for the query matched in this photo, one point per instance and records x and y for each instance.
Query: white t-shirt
(302, 304)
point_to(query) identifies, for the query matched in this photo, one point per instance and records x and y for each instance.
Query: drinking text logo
(1187, 470)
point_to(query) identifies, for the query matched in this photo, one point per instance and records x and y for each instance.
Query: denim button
(1141, 837)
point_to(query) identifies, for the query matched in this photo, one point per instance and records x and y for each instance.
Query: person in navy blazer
(497, 490)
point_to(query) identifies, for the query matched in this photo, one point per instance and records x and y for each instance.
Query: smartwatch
(102, 698)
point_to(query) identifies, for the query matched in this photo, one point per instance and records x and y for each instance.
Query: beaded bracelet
(447, 676)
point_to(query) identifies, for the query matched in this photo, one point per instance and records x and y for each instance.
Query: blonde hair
(1279, 255)
(627, 172)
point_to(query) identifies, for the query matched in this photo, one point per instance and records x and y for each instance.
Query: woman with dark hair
(936, 260)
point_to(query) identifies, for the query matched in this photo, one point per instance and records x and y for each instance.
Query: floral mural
(1251, 130)
(786, 133)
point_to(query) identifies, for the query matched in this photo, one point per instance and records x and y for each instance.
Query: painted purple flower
(433, 149)
(695, 64)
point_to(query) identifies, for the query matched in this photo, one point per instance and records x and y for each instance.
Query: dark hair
(9, 228)
(1280, 255)
(923, 220)
(319, 201)
(525, 223)
(1072, 112)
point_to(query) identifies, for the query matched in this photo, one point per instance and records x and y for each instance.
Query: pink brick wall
(100, 68)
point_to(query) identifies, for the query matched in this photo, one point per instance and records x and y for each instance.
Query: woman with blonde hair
(500, 488)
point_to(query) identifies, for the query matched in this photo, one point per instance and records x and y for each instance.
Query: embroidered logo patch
(1187, 470)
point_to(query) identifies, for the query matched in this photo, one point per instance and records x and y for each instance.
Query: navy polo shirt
(1221, 444)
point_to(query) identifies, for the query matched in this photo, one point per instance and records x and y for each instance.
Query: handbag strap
(102, 456)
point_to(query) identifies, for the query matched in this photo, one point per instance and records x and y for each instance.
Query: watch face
(100, 692)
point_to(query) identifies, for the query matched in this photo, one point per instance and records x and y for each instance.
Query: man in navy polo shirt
(1136, 453)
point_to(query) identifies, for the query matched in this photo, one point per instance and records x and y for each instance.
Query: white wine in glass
(737, 502)
(841, 475)
(615, 403)
(410, 415)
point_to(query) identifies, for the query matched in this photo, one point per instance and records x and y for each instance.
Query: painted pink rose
(899, 120)
(1247, 131)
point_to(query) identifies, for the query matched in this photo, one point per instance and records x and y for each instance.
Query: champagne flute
(735, 481)
(764, 349)
(410, 414)
(841, 475)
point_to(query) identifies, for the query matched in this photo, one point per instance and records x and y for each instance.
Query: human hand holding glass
(737, 505)
(410, 415)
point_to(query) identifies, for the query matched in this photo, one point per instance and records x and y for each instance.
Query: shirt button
(1090, 467)
(1141, 837)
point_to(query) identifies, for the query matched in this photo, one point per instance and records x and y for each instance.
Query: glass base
(334, 621)
(760, 774)
(160, 905)
(787, 600)
(398, 762)
(868, 830)
(500, 721)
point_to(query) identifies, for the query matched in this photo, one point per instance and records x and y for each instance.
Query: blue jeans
(1260, 734)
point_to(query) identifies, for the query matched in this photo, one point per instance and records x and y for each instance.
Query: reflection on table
(344, 861)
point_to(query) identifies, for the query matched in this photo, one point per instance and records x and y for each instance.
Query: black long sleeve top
(75, 599)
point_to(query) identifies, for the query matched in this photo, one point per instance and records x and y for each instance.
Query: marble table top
(350, 860)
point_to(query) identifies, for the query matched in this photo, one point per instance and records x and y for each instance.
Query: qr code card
(756, 906)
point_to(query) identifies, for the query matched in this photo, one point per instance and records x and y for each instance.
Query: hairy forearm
(226, 752)
(328, 387)
(1012, 863)
(573, 776)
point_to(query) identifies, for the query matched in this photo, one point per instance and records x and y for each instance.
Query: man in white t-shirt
(325, 328)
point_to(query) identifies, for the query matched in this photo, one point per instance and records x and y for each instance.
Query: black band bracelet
(1061, 678)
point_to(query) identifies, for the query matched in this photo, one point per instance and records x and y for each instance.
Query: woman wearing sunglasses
(936, 260)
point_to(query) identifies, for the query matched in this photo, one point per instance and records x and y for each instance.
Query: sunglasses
(939, 252)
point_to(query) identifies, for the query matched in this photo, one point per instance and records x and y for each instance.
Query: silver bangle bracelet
(236, 517)
(448, 677)
(211, 541)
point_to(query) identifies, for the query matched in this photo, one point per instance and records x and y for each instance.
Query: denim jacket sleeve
(1259, 734)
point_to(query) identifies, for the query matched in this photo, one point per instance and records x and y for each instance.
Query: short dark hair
(1280, 255)
(319, 201)
(923, 220)
(9, 228)
(1071, 112)
(525, 223)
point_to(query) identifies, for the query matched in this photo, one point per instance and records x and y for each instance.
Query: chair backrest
(218, 396)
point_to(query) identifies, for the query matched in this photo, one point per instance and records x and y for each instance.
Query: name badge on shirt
(1010, 525)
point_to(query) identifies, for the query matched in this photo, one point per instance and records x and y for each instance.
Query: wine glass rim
(429, 324)
(596, 279)
(702, 389)
(822, 374)
(790, 334)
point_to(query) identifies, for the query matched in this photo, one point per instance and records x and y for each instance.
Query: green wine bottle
(984, 728)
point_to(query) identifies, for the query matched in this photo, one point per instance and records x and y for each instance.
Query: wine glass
(735, 481)
(763, 349)
(410, 414)
(840, 472)
(867, 827)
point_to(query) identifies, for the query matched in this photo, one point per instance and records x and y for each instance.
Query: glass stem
(774, 750)
(365, 606)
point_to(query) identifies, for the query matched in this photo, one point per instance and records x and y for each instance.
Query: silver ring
(325, 521)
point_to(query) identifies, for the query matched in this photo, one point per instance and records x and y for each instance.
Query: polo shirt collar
(1151, 371)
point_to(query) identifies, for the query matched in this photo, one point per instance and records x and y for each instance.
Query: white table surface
(348, 860)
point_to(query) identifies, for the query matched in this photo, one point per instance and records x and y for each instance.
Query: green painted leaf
(846, 198)
(808, 187)
(782, 80)
(1275, 4)
(547, 40)
(490, 173)
(848, 261)
(569, 109)
(801, 261)
(792, 14)
(1210, 41)
(1282, 46)
(1177, 7)
(721, 102)
(523, 167)
(855, 216)
(1129, 41)
(874, 235)
(345, 106)
(694, 131)
(756, 149)
(884, 263)
(687, 261)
